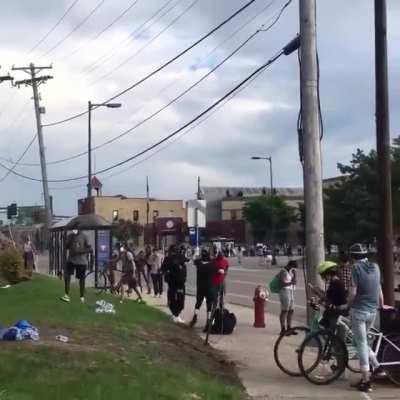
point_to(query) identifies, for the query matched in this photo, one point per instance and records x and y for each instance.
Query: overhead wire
(53, 28)
(105, 29)
(134, 55)
(79, 25)
(163, 66)
(263, 28)
(182, 128)
(131, 36)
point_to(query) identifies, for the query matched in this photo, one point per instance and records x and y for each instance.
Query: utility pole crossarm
(26, 82)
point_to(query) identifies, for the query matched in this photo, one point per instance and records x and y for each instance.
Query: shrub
(12, 266)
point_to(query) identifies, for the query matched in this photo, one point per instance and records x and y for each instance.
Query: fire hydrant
(260, 297)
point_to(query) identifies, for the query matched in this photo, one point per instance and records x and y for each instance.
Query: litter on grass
(22, 330)
(103, 307)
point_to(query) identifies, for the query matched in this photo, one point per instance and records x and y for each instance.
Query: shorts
(78, 270)
(129, 279)
(286, 297)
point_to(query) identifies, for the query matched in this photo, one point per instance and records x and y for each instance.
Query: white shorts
(286, 297)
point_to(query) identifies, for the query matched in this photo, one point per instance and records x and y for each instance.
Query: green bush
(12, 266)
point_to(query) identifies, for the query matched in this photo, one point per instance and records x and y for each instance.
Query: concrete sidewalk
(252, 351)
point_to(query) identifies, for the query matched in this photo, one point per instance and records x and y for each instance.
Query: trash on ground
(62, 338)
(22, 330)
(5, 287)
(103, 307)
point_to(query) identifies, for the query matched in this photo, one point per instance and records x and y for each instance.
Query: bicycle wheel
(322, 357)
(391, 355)
(286, 350)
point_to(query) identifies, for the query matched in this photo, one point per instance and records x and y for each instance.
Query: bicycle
(288, 345)
(104, 280)
(328, 353)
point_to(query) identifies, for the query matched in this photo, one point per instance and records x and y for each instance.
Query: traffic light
(12, 210)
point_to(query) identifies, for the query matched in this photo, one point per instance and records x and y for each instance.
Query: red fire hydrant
(260, 297)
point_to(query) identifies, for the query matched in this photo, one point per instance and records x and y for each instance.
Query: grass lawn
(136, 354)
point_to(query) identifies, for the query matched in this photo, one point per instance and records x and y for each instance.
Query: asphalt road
(241, 282)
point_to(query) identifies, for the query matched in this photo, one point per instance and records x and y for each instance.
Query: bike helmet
(326, 266)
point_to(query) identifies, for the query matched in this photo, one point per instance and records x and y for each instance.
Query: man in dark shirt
(174, 271)
(78, 248)
(206, 270)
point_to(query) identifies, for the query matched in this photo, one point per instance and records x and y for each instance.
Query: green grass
(136, 354)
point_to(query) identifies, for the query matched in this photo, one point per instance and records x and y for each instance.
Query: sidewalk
(252, 351)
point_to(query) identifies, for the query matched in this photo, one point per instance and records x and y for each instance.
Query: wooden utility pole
(314, 224)
(35, 81)
(385, 235)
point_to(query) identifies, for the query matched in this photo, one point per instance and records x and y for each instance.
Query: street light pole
(89, 185)
(271, 175)
(90, 107)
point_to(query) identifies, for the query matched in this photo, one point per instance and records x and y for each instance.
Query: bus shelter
(98, 231)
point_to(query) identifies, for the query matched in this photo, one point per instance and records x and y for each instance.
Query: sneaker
(65, 298)
(193, 321)
(82, 299)
(363, 386)
(291, 332)
(180, 320)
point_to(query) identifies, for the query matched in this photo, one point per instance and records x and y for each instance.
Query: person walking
(141, 271)
(78, 249)
(365, 296)
(128, 276)
(206, 269)
(287, 279)
(174, 270)
(29, 255)
(155, 262)
(240, 255)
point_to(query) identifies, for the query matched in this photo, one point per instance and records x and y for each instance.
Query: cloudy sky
(261, 120)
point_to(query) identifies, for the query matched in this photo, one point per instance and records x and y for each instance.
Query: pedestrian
(344, 271)
(222, 266)
(287, 280)
(140, 262)
(174, 271)
(128, 276)
(205, 269)
(29, 255)
(240, 254)
(78, 249)
(155, 261)
(365, 296)
(147, 255)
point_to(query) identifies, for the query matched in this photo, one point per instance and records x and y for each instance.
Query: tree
(351, 206)
(269, 218)
(126, 231)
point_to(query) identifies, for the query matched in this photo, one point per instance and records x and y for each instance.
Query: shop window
(135, 215)
(115, 216)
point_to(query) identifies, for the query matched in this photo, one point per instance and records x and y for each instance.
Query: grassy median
(135, 354)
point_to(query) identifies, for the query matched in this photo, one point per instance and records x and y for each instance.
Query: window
(135, 215)
(233, 215)
(115, 216)
(155, 214)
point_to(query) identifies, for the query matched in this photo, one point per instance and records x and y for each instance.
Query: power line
(54, 27)
(154, 72)
(263, 28)
(19, 159)
(79, 25)
(134, 55)
(105, 29)
(288, 49)
(132, 36)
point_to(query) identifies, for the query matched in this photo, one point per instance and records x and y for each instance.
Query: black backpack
(224, 322)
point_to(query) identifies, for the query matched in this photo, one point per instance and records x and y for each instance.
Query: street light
(269, 159)
(90, 107)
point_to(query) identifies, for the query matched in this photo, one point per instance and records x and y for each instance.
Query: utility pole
(35, 81)
(89, 184)
(385, 235)
(315, 251)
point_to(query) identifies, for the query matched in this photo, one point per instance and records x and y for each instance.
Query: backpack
(275, 284)
(224, 322)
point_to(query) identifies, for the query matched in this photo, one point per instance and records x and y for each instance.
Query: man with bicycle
(365, 297)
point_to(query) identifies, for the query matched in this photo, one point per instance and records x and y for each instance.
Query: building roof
(221, 192)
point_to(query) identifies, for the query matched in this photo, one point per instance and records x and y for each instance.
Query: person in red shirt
(222, 266)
